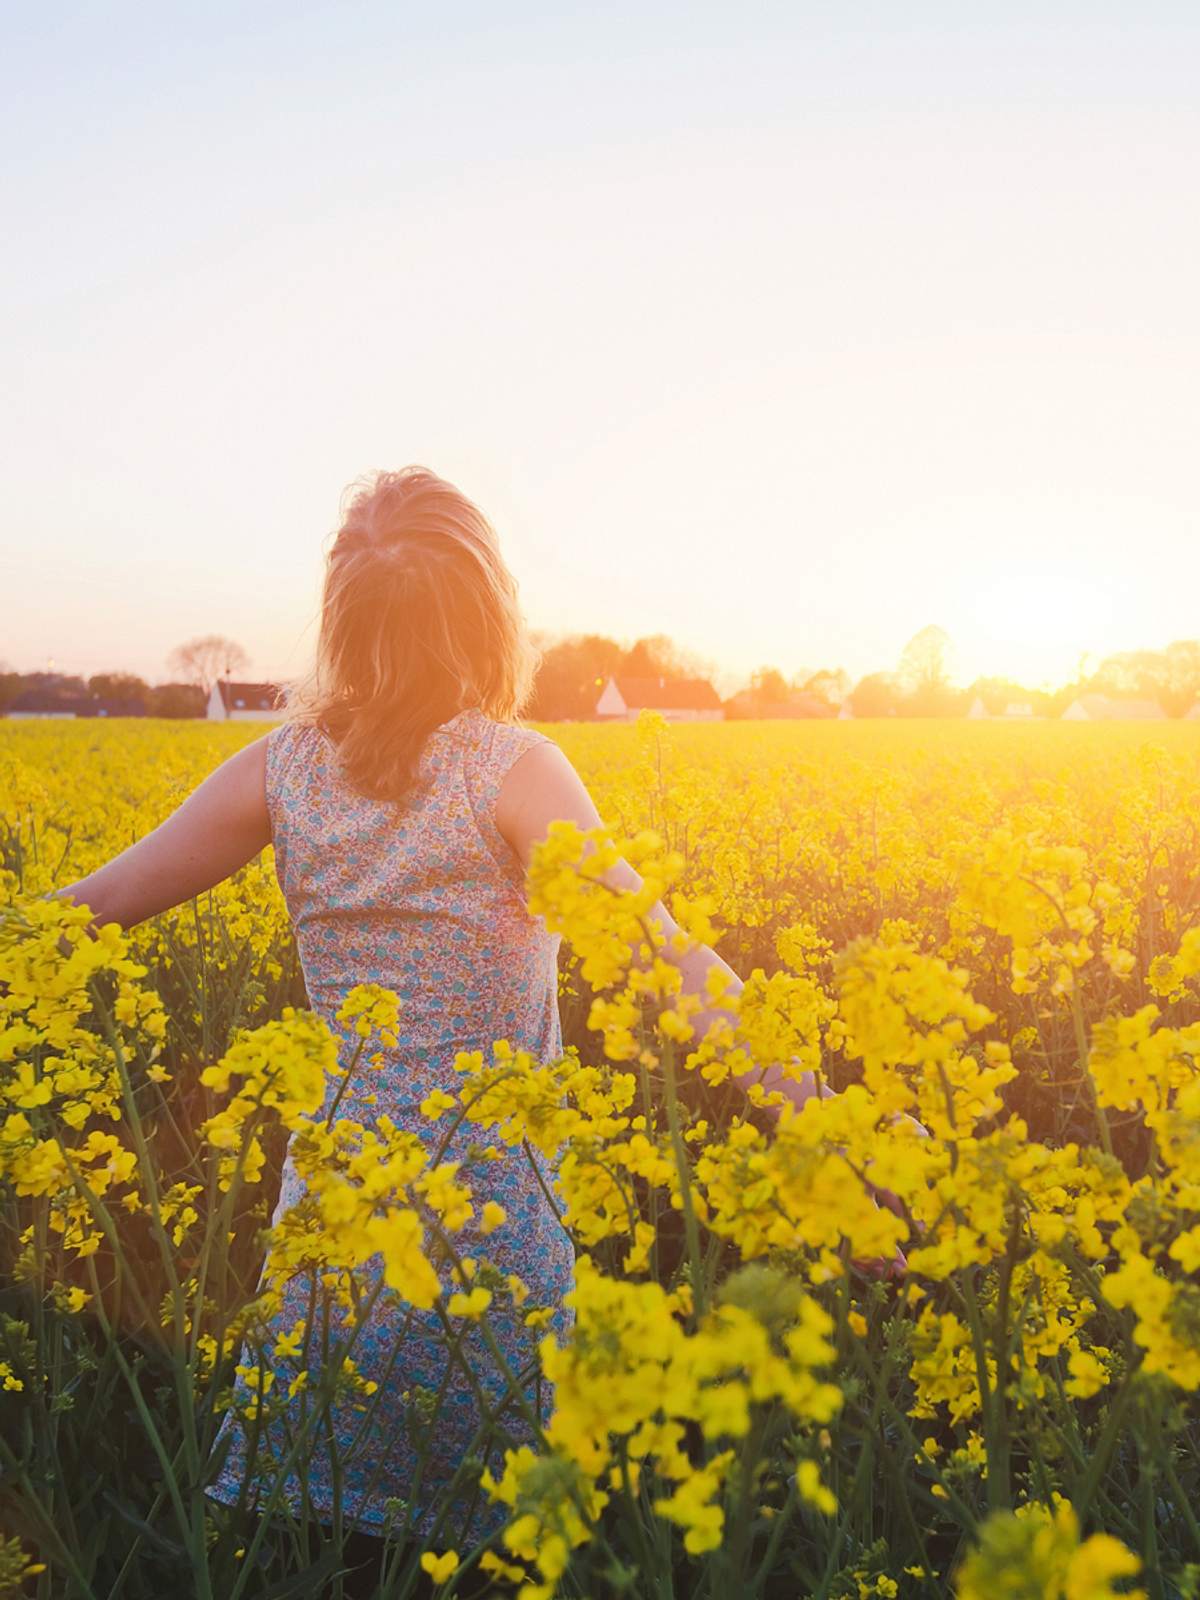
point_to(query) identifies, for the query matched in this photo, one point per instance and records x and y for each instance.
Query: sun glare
(1035, 628)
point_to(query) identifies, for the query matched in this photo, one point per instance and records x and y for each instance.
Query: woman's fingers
(882, 1268)
(894, 1204)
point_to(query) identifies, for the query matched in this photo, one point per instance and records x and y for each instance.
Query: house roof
(1120, 707)
(799, 704)
(668, 694)
(250, 696)
(1096, 705)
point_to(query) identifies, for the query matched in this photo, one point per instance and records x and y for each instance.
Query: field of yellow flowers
(994, 929)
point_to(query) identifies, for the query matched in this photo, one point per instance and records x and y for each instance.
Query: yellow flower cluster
(981, 940)
(1038, 1551)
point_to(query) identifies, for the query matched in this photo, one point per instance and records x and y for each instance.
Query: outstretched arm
(218, 828)
(542, 787)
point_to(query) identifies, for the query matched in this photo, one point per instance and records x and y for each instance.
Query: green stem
(683, 1165)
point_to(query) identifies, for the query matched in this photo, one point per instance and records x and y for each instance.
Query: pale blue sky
(783, 329)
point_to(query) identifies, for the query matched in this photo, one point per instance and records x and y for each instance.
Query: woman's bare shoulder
(540, 787)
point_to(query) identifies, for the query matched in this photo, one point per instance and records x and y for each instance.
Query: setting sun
(1034, 628)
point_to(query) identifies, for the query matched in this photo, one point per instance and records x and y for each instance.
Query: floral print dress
(427, 898)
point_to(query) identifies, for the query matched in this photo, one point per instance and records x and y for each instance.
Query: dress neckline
(442, 727)
(459, 716)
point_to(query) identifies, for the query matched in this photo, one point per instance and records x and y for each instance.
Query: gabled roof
(1120, 707)
(668, 694)
(747, 704)
(250, 696)
(1096, 705)
(1137, 709)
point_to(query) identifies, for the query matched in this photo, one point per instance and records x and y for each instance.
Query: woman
(404, 802)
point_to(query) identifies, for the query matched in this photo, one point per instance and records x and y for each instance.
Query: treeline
(922, 686)
(110, 694)
(572, 672)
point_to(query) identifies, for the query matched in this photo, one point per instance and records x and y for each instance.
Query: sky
(781, 329)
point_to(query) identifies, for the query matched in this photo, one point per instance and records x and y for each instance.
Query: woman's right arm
(543, 787)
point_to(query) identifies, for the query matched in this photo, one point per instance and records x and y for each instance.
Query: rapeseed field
(984, 937)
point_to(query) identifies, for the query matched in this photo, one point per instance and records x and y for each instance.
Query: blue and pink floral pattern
(425, 897)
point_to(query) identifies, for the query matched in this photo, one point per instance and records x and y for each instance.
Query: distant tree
(1181, 677)
(63, 683)
(998, 694)
(571, 675)
(876, 695)
(60, 686)
(11, 685)
(122, 686)
(832, 687)
(1170, 676)
(1131, 672)
(925, 661)
(924, 674)
(654, 657)
(202, 661)
(768, 686)
(177, 700)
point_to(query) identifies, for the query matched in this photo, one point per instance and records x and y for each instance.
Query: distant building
(46, 703)
(1107, 708)
(50, 703)
(747, 705)
(846, 711)
(246, 702)
(677, 699)
(1014, 711)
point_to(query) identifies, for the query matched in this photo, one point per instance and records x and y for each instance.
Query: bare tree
(202, 661)
(924, 663)
(924, 675)
(829, 684)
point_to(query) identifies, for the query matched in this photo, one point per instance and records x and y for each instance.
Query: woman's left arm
(218, 828)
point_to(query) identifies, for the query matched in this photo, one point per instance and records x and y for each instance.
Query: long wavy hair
(419, 621)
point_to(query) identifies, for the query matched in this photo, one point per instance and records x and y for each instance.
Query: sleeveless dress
(427, 898)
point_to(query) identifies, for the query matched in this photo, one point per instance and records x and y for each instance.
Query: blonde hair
(419, 621)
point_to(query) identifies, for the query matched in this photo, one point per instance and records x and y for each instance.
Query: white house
(1018, 709)
(1104, 708)
(677, 699)
(978, 712)
(246, 702)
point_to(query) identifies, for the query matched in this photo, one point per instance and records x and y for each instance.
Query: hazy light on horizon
(784, 342)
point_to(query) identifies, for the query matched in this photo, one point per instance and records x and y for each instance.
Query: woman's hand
(898, 1265)
(798, 1092)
